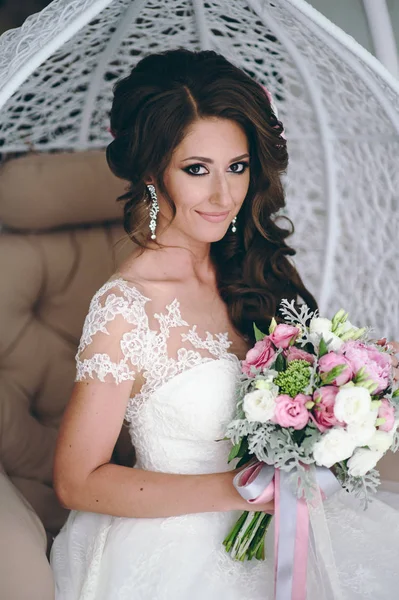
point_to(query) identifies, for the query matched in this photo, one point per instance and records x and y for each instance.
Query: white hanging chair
(339, 105)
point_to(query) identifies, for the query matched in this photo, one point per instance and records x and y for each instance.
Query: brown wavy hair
(151, 112)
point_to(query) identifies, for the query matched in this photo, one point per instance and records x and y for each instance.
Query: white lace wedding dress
(176, 424)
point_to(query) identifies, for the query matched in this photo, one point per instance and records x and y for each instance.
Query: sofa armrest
(25, 573)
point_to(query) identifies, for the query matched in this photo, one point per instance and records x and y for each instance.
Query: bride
(203, 151)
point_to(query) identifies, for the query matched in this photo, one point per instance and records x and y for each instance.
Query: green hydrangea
(295, 379)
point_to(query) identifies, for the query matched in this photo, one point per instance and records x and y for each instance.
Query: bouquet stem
(246, 540)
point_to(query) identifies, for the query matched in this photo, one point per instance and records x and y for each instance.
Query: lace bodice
(125, 335)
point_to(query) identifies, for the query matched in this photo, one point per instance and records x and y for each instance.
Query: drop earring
(233, 225)
(154, 210)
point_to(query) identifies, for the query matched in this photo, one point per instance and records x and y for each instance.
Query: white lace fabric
(122, 337)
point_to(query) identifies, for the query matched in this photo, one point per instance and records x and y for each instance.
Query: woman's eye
(199, 170)
(196, 170)
(239, 167)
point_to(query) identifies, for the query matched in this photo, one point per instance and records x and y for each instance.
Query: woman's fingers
(393, 346)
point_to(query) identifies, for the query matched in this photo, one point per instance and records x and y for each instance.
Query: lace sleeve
(112, 345)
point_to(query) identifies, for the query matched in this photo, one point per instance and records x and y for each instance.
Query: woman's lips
(213, 217)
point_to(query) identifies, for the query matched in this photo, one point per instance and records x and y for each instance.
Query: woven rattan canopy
(340, 109)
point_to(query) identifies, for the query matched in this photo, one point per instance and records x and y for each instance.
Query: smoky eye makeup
(244, 164)
(195, 169)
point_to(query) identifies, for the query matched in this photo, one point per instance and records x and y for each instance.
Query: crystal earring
(154, 210)
(233, 225)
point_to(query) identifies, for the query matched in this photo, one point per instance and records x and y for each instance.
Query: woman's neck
(184, 257)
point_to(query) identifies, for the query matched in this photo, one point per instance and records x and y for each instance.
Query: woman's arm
(84, 478)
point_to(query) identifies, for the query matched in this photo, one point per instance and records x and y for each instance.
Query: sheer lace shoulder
(126, 333)
(112, 347)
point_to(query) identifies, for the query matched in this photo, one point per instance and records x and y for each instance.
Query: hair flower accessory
(275, 111)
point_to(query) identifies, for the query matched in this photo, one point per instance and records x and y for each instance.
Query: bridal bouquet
(315, 394)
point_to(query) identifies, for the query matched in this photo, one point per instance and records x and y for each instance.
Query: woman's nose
(221, 193)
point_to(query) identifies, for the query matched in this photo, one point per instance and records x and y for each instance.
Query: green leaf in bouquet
(280, 363)
(234, 451)
(244, 460)
(239, 449)
(243, 448)
(322, 348)
(298, 435)
(395, 394)
(308, 347)
(328, 378)
(258, 334)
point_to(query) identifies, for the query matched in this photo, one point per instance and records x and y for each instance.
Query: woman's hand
(395, 362)
(238, 503)
(394, 347)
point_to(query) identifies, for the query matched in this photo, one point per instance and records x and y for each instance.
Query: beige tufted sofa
(62, 238)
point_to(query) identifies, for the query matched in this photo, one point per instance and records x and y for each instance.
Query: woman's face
(208, 179)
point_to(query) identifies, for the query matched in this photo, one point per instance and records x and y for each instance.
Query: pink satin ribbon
(259, 483)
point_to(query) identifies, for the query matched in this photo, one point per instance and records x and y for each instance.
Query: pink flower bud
(284, 335)
(260, 356)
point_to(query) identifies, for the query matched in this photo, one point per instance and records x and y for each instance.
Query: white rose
(320, 326)
(363, 461)
(381, 441)
(362, 431)
(347, 326)
(352, 404)
(260, 405)
(334, 446)
(333, 342)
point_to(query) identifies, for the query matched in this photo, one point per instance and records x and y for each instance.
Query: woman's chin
(212, 235)
(213, 238)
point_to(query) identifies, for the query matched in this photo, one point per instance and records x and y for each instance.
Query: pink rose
(292, 412)
(324, 410)
(260, 356)
(377, 364)
(331, 360)
(387, 412)
(294, 353)
(284, 335)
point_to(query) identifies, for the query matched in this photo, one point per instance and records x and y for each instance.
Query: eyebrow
(210, 161)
